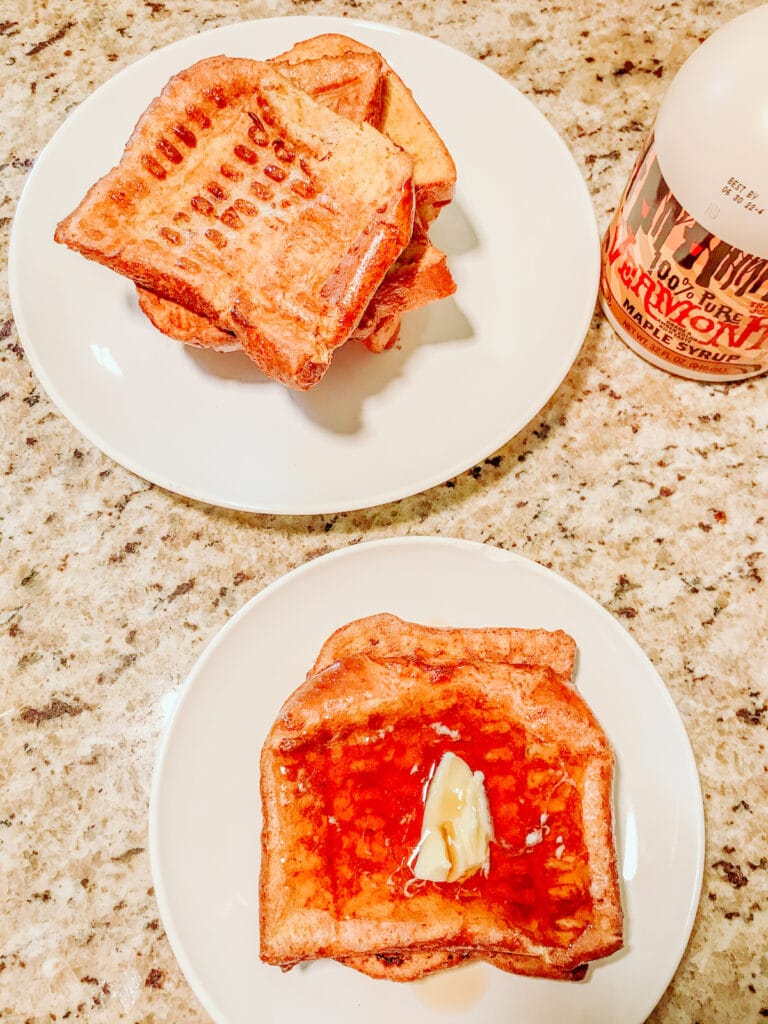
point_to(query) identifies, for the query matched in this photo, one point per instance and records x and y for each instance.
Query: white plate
(472, 370)
(205, 817)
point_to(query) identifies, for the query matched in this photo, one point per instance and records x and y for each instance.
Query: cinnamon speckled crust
(241, 198)
(298, 922)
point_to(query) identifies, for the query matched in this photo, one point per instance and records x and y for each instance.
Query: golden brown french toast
(344, 773)
(176, 321)
(380, 335)
(386, 636)
(418, 276)
(350, 84)
(180, 323)
(403, 121)
(244, 200)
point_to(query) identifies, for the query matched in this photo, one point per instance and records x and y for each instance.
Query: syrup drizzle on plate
(455, 990)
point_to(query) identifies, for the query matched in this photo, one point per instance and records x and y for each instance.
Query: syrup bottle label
(679, 295)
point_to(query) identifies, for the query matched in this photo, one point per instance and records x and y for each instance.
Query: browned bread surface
(386, 636)
(391, 713)
(350, 84)
(418, 276)
(176, 321)
(379, 335)
(403, 121)
(244, 200)
(180, 323)
(407, 966)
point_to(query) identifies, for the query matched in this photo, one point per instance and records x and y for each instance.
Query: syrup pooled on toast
(361, 792)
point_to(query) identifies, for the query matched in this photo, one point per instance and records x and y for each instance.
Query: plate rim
(352, 550)
(94, 434)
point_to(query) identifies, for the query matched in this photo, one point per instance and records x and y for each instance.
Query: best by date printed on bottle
(741, 194)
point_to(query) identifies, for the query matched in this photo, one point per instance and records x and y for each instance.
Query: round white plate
(205, 817)
(471, 371)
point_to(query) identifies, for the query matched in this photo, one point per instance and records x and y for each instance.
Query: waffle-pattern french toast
(418, 276)
(244, 200)
(354, 84)
(344, 775)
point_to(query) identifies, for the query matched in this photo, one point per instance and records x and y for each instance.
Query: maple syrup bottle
(684, 277)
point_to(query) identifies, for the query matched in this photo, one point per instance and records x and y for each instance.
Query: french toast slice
(180, 323)
(386, 636)
(403, 121)
(350, 84)
(418, 276)
(343, 774)
(244, 200)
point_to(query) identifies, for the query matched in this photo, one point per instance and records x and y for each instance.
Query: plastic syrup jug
(684, 278)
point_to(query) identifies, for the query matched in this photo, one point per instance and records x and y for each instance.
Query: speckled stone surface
(646, 491)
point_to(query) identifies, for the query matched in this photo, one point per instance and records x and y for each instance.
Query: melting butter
(456, 830)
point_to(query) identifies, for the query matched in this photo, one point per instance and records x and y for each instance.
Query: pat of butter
(456, 830)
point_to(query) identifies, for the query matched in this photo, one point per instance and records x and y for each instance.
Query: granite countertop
(647, 491)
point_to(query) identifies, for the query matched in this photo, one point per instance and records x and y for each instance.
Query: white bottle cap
(712, 133)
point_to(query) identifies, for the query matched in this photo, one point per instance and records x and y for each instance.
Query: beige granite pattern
(647, 491)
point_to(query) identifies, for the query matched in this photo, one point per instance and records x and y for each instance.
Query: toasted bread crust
(290, 279)
(385, 637)
(379, 335)
(419, 276)
(409, 966)
(403, 121)
(350, 84)
(375, 671)
(182, 324)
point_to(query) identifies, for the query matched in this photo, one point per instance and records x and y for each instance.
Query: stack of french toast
(433, 796)
(281, 207)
